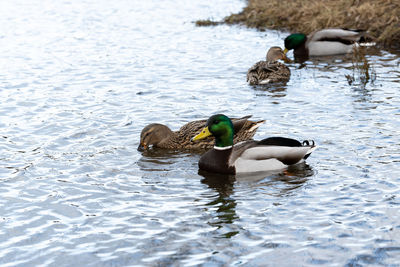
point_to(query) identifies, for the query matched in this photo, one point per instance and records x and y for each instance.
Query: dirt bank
(379, 17)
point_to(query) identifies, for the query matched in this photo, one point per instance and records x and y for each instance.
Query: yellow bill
(285, 58)
(285, 51)
(203, 134)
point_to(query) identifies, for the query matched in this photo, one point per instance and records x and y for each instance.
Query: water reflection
(277, 90)
(156, 159)
(280, 182)
(287, 182)
(224, 203)
(221, 183)
(358, 70)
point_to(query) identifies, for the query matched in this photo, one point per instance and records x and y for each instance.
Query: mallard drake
(269, 154)
(269, 71)
(159, 135)
(325, 42)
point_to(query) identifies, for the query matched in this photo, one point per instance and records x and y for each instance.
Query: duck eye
(216, 121)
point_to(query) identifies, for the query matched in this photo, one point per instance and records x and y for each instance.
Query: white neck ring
(222, 148)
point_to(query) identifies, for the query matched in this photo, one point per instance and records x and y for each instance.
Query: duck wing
(345, 36)
(275, 72)
(191, 128)
(238, 123)
(239, 149)
(269, 154)
(264, 72)
(253, 74)
(288, 151)
(245, 129)
(194, 127)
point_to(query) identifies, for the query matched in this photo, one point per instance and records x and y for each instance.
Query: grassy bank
(379, 17)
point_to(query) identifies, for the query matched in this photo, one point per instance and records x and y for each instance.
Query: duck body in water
(161, 136)
(270, 70)
(326, 42)
(251, 156)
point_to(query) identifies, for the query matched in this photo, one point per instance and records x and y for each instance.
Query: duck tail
(362, 37)
(252, 78)
(245, 117)
(256, 125)
(366, 40)
(311, 144)
(266, 81)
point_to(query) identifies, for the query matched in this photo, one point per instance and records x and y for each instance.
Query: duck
(251, 156)
(161, 136)
(271, 70)
(326, 42)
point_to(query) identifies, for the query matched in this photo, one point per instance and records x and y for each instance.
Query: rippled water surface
(80, 79)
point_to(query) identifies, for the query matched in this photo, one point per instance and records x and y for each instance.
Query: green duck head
(294, 41)
(221, 127)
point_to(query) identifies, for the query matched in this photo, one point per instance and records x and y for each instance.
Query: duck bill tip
(203, 134)
(285, 51)
(141, 147)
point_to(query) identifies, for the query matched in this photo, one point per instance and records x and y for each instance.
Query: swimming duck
(269, 71)
(269, 154)
(325, 42)
(159, 135)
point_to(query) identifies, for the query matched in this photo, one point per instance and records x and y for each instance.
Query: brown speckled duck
(250, 156)
(270, 71)
(160, 136)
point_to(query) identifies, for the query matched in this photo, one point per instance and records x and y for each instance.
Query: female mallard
(270, 71)
(325, 42)
(161, 136)
(249, 156)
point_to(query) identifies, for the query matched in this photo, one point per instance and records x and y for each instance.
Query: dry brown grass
(379, 17)
(206, 22)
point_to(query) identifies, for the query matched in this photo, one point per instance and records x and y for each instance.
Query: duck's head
(294, 41)
(275, 53)
(221, 127)
(153, 134)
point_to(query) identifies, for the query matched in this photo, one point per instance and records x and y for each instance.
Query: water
(80, 79)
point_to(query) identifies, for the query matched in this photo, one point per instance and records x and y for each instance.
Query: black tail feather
(279, 141)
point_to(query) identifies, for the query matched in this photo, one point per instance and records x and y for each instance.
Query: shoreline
(380, 18)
